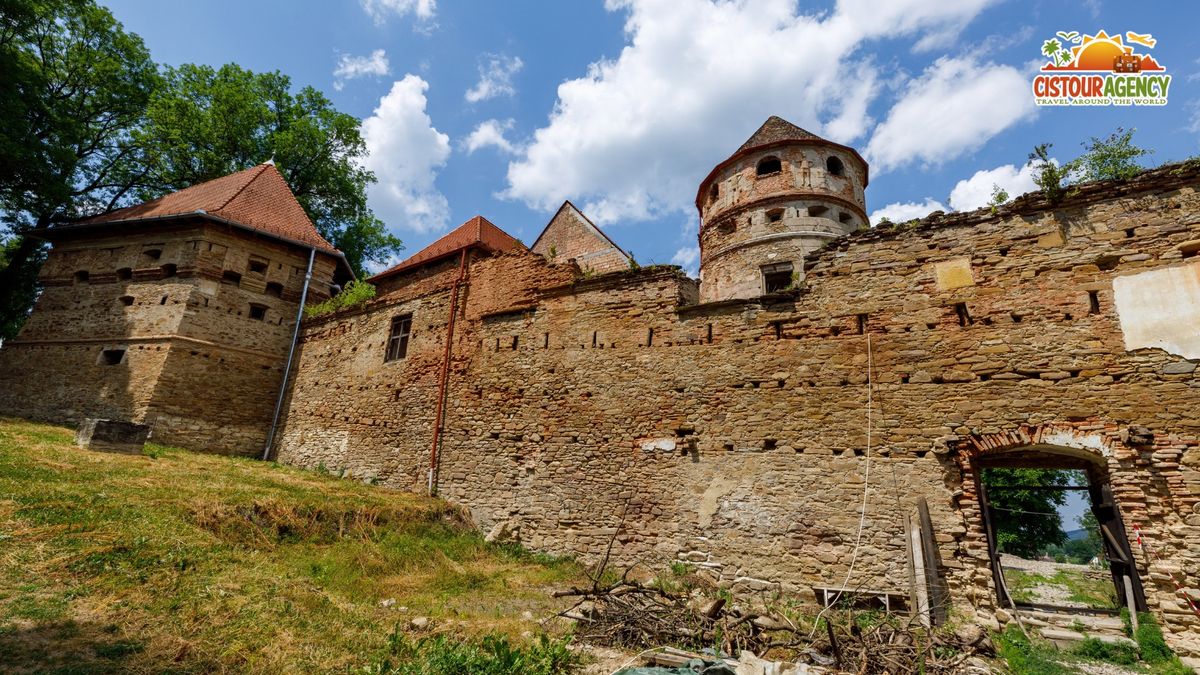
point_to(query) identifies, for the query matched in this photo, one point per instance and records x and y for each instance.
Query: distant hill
(1075, 535)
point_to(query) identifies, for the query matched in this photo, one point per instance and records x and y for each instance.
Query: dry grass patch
(182, 562)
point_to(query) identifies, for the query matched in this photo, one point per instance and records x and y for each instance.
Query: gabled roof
(477, 232)
(776, 129)
(257, 198)
(568, 206)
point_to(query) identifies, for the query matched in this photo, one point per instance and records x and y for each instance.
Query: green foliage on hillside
(188, 563)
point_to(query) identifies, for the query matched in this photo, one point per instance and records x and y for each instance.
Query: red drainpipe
(440, 408)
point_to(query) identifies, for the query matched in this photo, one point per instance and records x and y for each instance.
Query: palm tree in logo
(1052, 48)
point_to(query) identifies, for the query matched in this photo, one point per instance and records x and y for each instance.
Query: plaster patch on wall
(1161, 309)
(954, 273)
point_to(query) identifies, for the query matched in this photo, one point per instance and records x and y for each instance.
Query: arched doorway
(1026, 469)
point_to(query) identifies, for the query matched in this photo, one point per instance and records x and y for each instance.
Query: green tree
(1110, 158)
(1026, 520)
(999, 197)
(1048, 174)
(206, 123)
(74, 84)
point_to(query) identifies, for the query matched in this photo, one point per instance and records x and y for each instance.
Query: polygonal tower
(784, 193)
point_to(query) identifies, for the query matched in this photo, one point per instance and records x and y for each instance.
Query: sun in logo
(1100, 52)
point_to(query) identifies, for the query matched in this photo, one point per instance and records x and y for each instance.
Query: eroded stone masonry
(740, 428)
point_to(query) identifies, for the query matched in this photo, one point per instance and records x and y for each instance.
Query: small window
(231, 277)
(727, 226)
(258, 312)
(112, 357)
(767, 166)
(258, 266)
(126, 300)
(818, 211)
(124, 274)
(397, 344)
(835, 167)
(169, 270)
(714, 192)
(844, 217)
(777, 277)
(81, 277)
(774, 215)
(274, 289)
(153, 253)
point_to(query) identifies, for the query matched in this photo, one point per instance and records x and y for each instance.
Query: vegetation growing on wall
(354, 294)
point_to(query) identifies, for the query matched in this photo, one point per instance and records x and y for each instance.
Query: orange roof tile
(476, 232)
(257, 198)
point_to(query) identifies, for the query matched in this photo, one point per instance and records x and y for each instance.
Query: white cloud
(405, 151)
(495, 77)
(687, 257)
(972, 193)
(490, 133)
(953, 108)
(379, 10)
(350, 67)
(900, 212)
(632, 138)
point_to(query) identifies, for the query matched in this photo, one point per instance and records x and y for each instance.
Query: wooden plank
(939, 599)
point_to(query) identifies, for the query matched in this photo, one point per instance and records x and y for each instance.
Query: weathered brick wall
(735, 434)
(569, 236)
(197, 367)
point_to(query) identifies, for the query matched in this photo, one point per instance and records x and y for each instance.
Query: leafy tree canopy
(206, 123)
(1026, 521)
(89, 123)
(1114, 157)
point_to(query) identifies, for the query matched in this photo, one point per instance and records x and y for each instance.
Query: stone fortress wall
(734, 434)
(162, 327)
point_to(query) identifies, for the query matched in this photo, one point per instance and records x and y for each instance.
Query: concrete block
(112, 436)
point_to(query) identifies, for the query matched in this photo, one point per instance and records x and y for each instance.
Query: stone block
(112, 436)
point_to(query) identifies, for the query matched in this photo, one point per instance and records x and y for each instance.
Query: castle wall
(734, 435)
(196, 366)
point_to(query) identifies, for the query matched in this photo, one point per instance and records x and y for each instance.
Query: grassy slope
(194, 563)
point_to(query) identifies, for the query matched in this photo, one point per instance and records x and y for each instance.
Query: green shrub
(1097, 650)
(355, 293)
(493, 655)
(1024, 656)
(1150, 640)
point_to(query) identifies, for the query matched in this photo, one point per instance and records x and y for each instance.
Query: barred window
(397, 344)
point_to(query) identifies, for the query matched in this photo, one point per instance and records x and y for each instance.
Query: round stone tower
(784, 193)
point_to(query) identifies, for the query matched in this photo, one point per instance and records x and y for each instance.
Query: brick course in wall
(734, 434)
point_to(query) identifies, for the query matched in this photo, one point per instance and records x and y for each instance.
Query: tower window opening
(777, 277)
(169, 270)
(127, 300)
(835, 167)
(818, 211)
(258, 266)
(258, 312)
(274, 289)
(231, 277)
(112, 357)
(768, 165)
(153, 253)
(124, 274)
(714, 192)
(774, 215)
(844, 217)
(81, 277)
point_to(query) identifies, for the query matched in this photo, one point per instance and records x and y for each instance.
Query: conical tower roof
(777, 129)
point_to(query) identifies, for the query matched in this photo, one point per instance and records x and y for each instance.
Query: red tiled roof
(477, 232)
(257, 198)
(776, 129)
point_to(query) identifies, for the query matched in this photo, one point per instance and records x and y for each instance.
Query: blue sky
(506, 108)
